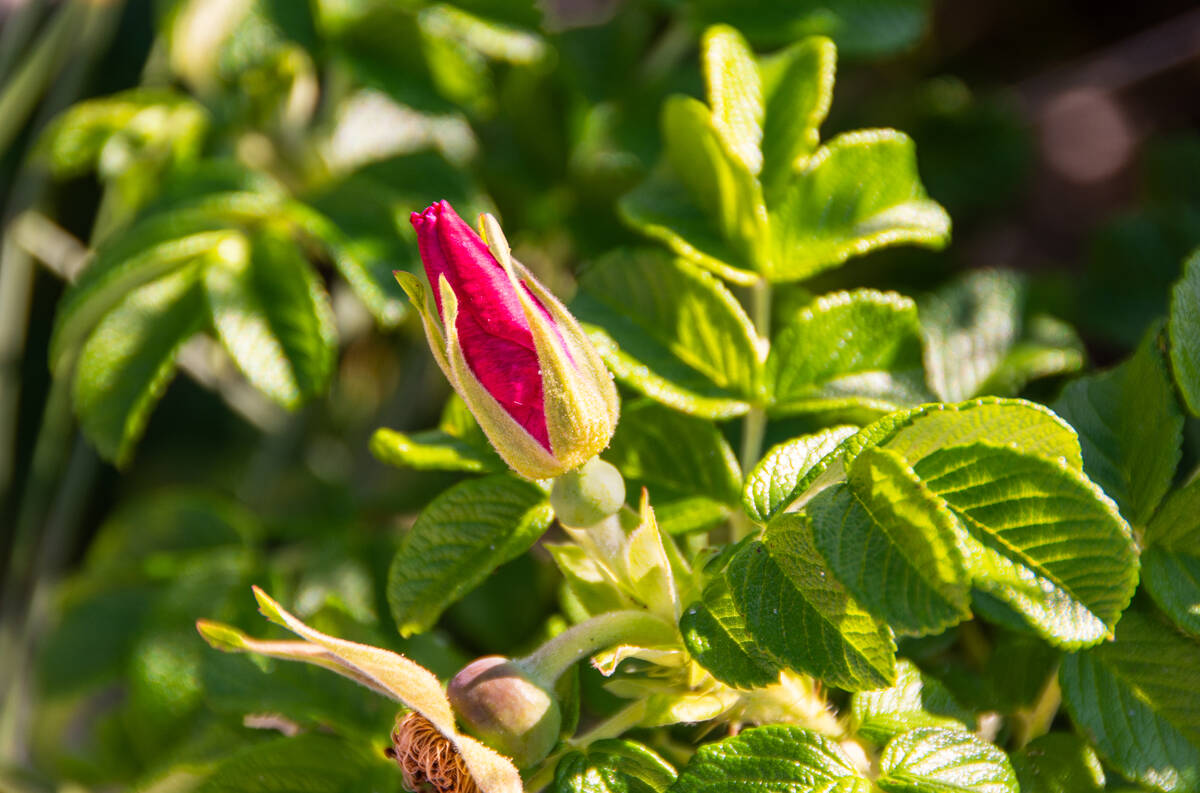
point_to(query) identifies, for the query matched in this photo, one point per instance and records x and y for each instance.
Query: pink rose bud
(520, 361)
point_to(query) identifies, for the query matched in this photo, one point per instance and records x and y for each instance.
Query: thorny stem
(546, 664)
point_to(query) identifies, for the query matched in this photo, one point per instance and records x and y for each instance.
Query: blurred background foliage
(298, 135)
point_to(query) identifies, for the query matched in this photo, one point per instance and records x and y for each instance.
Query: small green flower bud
(498, 703)
(588, 495)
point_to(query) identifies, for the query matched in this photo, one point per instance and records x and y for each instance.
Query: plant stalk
(754, 425)
(546, 664)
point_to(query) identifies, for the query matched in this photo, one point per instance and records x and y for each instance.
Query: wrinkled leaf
(1130, 428)
(857, 193)
(460, 537)
(1138, 701)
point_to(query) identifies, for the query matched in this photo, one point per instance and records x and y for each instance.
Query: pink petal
(495, 337)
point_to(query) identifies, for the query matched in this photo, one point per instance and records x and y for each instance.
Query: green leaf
(433, 450)
(1130, 428)
(456, 445)
(75, 141)
(1184, 330)
(931, 758)
(1047, 347)
(129, 358)
(677, 457)
(158, 533)
(848, 349)
(1038, 536)
(774, 759)
(373, 284)
(145, 253)
(914, 701)
(1176, 524)
(859, 192)
(661, 208)
(270, 311)
(785, 472)
(978, 340)
(735, 93)
(722, 186)
(102, 627)
(1058, 762)
(672, 332)
(803, 616)
(464, 534)
(716, 636)
(798, 88)
(306, 762)
(1138, 701)
(1171, 560)
(613, 766)
(1018, 668)
(1026, 426)
(1173, 579)
(892, 543)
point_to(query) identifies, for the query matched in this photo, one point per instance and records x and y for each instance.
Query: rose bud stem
(510, 705)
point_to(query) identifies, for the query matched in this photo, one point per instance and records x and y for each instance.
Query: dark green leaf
(1173, 579)
(803, 616)
(1184, 329)
(1130, 428)
(613, 766)
(308, 762)
(145, 253)
(464, 534)
(1058, 762)
(1171, 560)
(716, 636)
(893, 544)
(1138, 701)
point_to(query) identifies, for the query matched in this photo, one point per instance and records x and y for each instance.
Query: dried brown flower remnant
(429, 761)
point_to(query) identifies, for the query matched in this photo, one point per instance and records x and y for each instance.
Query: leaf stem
(546, 664)
(1036, 719)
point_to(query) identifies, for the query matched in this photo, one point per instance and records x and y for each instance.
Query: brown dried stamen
(429, 761)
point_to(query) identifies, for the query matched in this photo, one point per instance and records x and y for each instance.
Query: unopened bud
(498, 703)
(588, 495)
